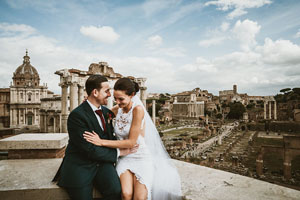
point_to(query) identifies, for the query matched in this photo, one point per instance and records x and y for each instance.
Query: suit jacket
(82, 158)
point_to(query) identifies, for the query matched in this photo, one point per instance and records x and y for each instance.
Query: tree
(236, 110)
(296, 90)
(285, 90)
(219, 116)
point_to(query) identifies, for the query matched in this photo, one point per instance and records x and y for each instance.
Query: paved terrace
(31, 178)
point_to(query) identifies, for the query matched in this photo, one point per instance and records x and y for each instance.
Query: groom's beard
(104, 101)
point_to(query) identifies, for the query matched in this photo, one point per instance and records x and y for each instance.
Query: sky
(178, 45)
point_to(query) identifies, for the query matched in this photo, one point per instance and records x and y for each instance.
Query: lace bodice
(122, 128)
(123, 123)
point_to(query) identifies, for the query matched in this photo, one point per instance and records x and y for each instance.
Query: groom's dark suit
(86, 164)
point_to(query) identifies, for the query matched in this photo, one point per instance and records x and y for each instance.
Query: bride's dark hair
(125, 84)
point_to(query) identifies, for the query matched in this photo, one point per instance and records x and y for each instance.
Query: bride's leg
(126, 180)
(140, 190)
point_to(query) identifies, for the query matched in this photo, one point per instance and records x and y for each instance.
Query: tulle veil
(167, 184)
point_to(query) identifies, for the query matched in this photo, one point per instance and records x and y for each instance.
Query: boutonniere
(109, 117)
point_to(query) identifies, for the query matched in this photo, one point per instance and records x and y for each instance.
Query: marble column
(64, 107)
(59, 121)
(80, 94)
(10, 117)
(110, 103)
(270, 109)
(45, 122)
(73, 96)
(287, 165)
(265, 110)
(24, 118)
(260, 163)
(143, 95)
(54, 123)
(34, 117)
(19, 117)
(275, 110)
(14, 117)
(219, 140)
(153, 111)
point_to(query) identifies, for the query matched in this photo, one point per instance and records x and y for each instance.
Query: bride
(148, 173)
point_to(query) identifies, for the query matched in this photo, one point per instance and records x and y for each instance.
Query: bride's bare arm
(135, 130)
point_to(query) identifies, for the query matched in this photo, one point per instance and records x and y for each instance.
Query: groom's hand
(125, 152)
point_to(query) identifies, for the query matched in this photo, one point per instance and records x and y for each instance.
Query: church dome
(26, 74)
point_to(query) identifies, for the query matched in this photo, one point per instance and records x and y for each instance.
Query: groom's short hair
(94, 82)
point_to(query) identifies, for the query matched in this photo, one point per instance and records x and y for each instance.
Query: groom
(86, 165)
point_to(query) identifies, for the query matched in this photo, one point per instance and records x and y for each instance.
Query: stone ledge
(31, 179)
(199, 182)
(35, 141)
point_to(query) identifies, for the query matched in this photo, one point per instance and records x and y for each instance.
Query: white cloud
(212, 41)
(49, 56)
(264, 70)
(152, 7)
(23, 29)
(297, 34)
(238, 6)
(105, 34)
(280, 52)
(154, 42)
(225, 26)
(159, 72)
(245, 32)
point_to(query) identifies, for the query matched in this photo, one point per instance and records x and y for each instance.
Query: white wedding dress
(151, 163)
(139, 163)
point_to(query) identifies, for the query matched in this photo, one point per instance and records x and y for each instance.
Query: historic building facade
(188, 105)
(25, 96)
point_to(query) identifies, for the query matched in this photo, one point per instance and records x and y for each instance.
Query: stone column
(143, 88)
(45, 122)
(153, 111)
(287, 165)
(80, 94)
(143, 95)
(64, 107)
(275, 110)
(265, 110)
(270, 109)
(73, 96)
(219, 140)
(19, 117)
(24, 116)
(54, 123)
(14, 117)
(59, 121)
(34, 117)
(110, 103)
(259, 163)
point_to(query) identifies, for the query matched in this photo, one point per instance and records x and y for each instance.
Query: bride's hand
(92, 138)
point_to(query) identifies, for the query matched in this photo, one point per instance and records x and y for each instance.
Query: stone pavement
(31, 179)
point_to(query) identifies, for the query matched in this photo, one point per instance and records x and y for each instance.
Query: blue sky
(176, 44)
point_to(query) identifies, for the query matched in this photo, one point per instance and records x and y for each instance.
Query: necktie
(99, 112)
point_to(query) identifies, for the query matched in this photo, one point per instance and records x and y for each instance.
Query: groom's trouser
(106, 181)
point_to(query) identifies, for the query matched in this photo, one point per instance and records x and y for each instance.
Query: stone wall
(276, 126)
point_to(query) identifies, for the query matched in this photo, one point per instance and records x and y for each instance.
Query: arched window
(29, 96)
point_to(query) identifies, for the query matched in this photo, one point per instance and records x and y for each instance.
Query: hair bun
(136, 87)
